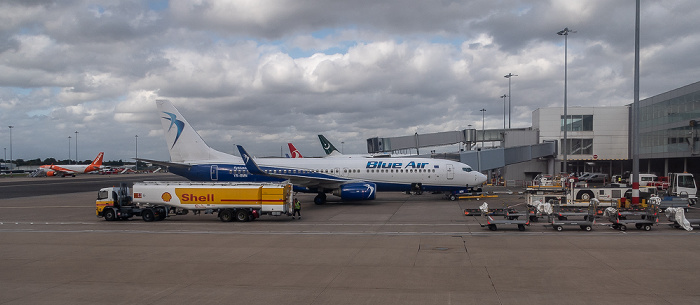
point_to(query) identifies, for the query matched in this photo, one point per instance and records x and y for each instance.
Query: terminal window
(577, 123)
(579, 146)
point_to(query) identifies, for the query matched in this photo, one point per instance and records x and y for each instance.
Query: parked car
(597, 177)
(583, 176)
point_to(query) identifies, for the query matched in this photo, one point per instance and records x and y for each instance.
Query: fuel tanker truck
(231, 201)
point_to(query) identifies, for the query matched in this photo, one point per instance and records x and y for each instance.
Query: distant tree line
(37, 162)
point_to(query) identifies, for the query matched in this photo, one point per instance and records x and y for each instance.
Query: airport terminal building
(600, 138)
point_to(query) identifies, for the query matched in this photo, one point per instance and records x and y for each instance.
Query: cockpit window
(467, 169)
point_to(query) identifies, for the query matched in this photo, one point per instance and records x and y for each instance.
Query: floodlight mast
(565, 32)
(509, 104)
(504, 118)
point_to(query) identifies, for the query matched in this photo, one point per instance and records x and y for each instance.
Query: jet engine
(356, 191)
(50, 173)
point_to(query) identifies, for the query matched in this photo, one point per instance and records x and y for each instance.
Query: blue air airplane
(348, 178)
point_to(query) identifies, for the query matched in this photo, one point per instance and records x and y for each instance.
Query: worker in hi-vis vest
(297, 208)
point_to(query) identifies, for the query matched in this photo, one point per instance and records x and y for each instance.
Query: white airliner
(72, 170)
(348, 178)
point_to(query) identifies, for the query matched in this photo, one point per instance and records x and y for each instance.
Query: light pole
(137, 152)
(509, 105)
(504, 118)
(69, 137)
(76, 148)
(565, 32)
(483, 131)
(635, 112)
(11, 147)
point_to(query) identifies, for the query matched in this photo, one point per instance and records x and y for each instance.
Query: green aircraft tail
(327, 146)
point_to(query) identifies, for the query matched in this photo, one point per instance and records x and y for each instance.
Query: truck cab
(111, 198)
(114, 203)
(682, 185)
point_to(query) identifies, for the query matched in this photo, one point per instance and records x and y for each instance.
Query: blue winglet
(250, 164)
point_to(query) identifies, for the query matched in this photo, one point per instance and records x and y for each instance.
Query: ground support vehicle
(562, 204)
(642, 217)
(585, 219)
(607, 196)
(542, 189)
(682, 185)
(467, 194)
(477, 197)
(661, 183)
(158, 200)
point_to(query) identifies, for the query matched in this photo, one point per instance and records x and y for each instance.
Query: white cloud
(262, 73)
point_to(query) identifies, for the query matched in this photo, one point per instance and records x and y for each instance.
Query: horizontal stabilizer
(164, 163)
(250, 164)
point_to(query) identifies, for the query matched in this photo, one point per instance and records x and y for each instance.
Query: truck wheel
(162, 213)
(623, 227)
(559, 228)
(453, 197)
(226, 215)
(521, 227)
(493, 227)
(148, 215)
(586, 228)
(586, 195)
(109, 214)
(241, 215)
(647, 227)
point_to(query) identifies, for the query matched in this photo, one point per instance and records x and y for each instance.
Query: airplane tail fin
(184, 143)
(328, 147)
(250, 164)
(98, 160)
(294, 151)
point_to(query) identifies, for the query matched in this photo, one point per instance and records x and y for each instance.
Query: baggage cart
(584, 219)
(641, 218)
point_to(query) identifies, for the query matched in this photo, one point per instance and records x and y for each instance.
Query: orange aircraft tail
(98, 160)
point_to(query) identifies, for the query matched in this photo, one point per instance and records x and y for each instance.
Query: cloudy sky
(262, 73)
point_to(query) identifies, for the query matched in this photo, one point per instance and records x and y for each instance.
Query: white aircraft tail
(184, 143)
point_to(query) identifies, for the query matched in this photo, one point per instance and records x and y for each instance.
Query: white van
(644, 179)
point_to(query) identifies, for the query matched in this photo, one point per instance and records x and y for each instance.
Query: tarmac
(397, 249)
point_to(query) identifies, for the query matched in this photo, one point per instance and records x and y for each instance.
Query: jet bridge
(521, 146)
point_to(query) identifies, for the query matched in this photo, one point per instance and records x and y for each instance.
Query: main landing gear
(320, 198)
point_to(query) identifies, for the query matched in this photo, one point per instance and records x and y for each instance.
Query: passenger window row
(336, 171)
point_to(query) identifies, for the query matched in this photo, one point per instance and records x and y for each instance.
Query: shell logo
(166, 197)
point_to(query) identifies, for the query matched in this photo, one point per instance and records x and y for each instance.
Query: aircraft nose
(481, 178)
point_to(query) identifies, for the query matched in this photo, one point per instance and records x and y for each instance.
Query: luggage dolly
(511, 217)
(491, 212)
(493, 223)
(647, 218)
(561, 218)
